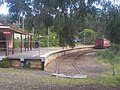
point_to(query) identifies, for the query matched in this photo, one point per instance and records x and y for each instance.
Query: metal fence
(10, 47)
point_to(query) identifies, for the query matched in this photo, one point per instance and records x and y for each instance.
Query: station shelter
(7, 39)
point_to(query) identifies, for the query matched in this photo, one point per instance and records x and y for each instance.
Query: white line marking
(35, 55)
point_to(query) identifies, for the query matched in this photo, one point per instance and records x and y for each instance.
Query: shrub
(5, 63)
(16, 43)
(111, 55)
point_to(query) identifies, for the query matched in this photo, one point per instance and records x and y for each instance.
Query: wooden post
(6, 45)
(42, 65)
(21, 42)
(7, 42)
(13, 43)
(25, 43)
(30, 42)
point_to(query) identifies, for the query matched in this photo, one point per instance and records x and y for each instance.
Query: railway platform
(40, 57)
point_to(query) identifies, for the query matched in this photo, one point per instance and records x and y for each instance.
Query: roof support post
(30, 42)
(7, 45)
(21, 42)
(7, 33)
(13, 42)
(25, 44)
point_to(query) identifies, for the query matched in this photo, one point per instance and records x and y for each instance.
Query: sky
(4, 9)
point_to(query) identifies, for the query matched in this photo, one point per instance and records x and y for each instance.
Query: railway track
(73, 57)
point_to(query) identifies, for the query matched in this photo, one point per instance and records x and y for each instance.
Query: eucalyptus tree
(113, 24)
(67, 16)
(18, 8)
(110, 16)
(70, 18)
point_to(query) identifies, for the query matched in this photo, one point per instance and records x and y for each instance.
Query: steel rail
(73, 59)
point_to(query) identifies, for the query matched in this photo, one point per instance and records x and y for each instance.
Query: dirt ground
(27, 79)
(87, 65)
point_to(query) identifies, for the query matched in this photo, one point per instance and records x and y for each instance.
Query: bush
(16, 43)
(109, 55)
(4, 63)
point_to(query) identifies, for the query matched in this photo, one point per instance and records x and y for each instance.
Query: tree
(18, 8)
(67, 16)
(113, 24)
(5, 19)
(88, 36)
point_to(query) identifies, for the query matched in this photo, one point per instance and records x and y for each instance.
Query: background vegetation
(111, 57)
(66, 19)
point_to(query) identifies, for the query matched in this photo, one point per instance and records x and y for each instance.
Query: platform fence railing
(10, 47)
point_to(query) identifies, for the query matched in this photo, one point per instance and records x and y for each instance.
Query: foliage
(18, 7)
(113, 53)
(5, 19)
(67, 33)
(5, 63)
(113, 25)
(43, 38)
(67, 16)
(112, 57)
(89, 35)
(53, 39)
(16, 43)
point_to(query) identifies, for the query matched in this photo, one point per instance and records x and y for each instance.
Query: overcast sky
(4, 10)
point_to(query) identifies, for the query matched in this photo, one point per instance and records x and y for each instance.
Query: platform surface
(34, 54)
(38, 52)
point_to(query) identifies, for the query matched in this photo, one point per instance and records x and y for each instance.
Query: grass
(10, 76)
(108, 64)
(108, 79)
(67, 81)
(105, 80)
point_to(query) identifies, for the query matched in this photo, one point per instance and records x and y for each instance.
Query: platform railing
(9, 47)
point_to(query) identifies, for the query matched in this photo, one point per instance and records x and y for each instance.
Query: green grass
(108, 79)
(18, 75)
(67, 81)
(104, 80)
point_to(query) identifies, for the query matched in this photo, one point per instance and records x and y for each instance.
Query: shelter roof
(12, 28)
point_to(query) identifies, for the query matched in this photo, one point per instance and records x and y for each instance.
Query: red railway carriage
(102, 43)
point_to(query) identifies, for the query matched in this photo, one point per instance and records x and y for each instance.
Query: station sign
(6, 32)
